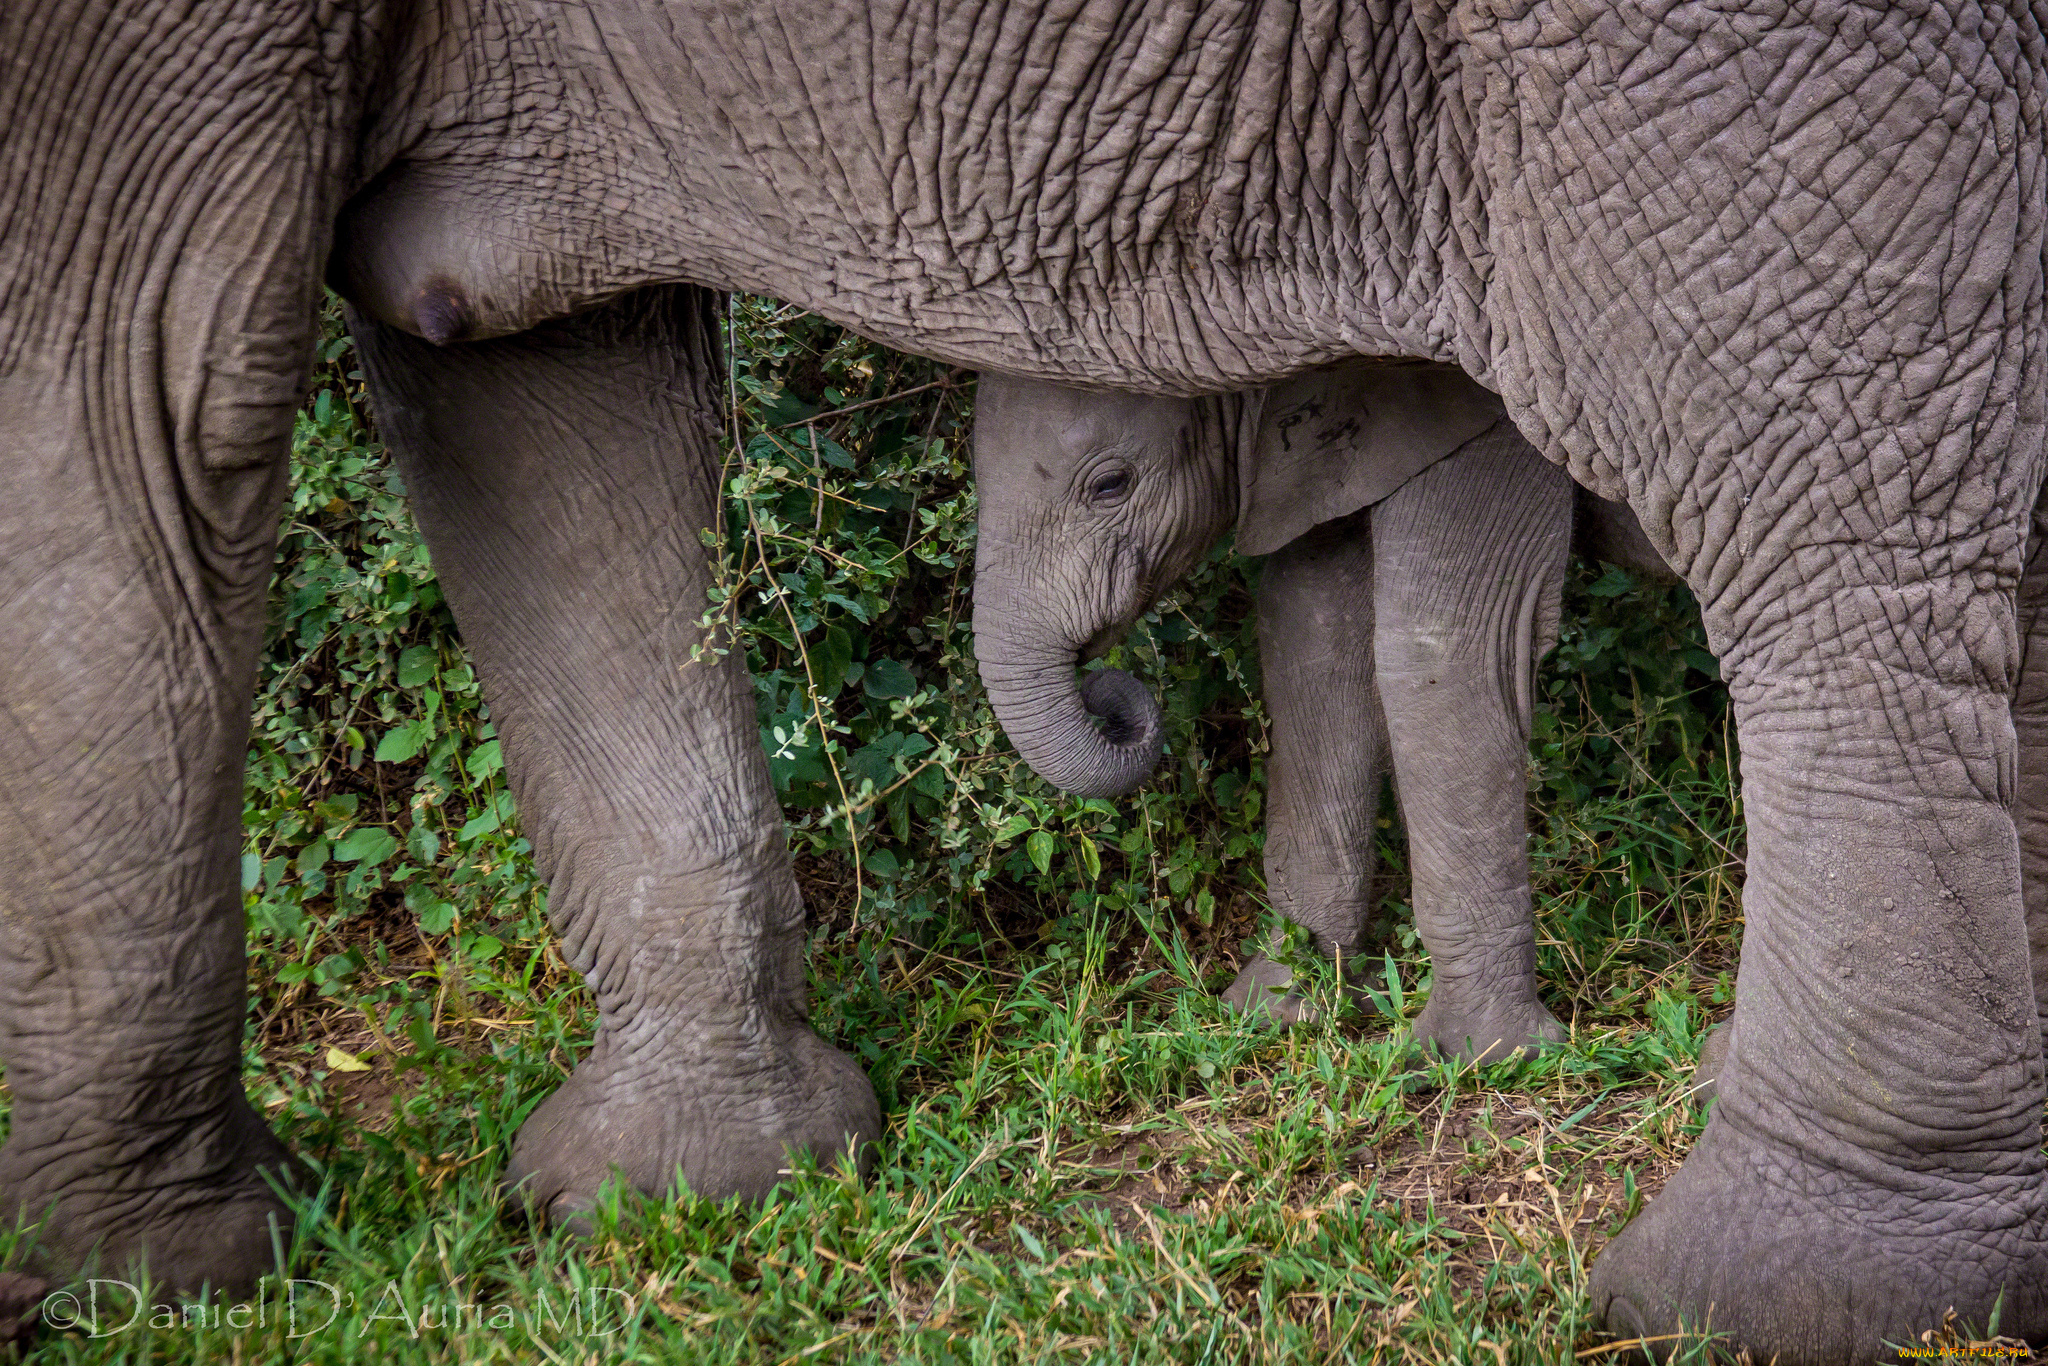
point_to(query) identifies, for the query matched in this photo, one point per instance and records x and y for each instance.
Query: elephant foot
(21, 1307)
(723, 1128)
(1804, 1264)
(194, 1213)
(1261, 990)
(1706, 1073)
(1486, 1030)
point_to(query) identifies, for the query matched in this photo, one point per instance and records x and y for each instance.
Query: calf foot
(1261, 988)
(1487, 1030)
(1804, 1264)
(726, 1126)
(194, 1212)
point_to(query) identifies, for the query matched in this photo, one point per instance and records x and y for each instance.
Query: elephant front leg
(1873, 1159)
(158, 287)
(1469, 561)
(1329, 751)
(563, 478)
(127, 656)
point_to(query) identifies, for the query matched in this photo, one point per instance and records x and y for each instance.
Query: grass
(1087, 1169)
(1087, 1159)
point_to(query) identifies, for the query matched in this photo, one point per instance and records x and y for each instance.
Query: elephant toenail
(1626, 1322)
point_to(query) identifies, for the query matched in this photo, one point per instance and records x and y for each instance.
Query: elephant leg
(1329, 750)
(134, 579)
(1873, 1157)
(1468, 566)
(2030, 724)
(164, 220)
(562, 478)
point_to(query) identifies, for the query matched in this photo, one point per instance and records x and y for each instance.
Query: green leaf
(401, 743)
(1612, 584)
(831, 452)
(479, 825)
(436, 916)
(1012, 828)
(887, 678)
(252, 870)
(860, 613)
(369, 844)
(830, 659)
(1091, 858)
(1039, 847)
(1588, 1108)
(418, 665)
(486, 759)
(337, 809)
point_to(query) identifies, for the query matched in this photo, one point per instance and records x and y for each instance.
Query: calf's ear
(1332, 441)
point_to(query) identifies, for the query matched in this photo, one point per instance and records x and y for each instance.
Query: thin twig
(957, 962)
(1662, 790)
(869, 804)
(817, 711)
(946, 383)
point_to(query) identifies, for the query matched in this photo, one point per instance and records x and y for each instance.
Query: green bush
(848, 551)
(374, 798)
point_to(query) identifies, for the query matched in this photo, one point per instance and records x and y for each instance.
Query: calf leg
(1468, 565)
(1329, 749)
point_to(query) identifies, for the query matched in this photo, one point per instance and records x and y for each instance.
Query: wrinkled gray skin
(1771, 274)
(1402, 626)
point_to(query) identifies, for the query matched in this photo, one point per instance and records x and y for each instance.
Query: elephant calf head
(1093, 504)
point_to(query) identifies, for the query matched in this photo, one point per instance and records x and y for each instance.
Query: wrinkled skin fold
(1773, 276)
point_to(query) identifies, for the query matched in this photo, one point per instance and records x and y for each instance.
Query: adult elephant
(1773, 274)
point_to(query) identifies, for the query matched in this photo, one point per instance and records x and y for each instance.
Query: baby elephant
(1416, 547)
